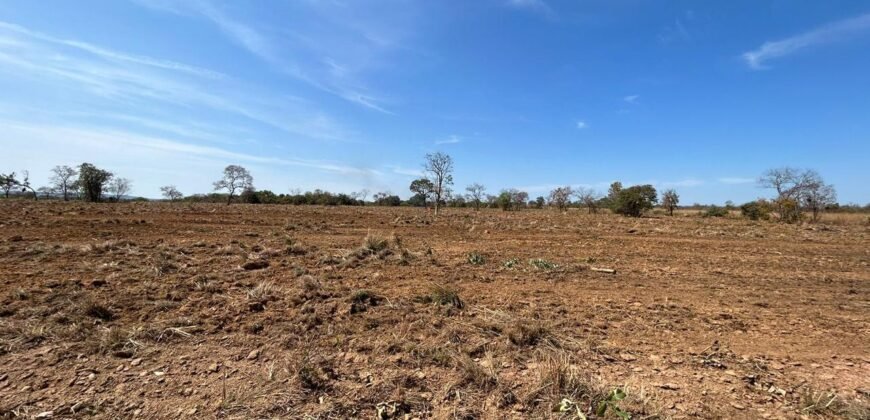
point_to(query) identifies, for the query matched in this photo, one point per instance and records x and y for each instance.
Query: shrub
(755, 210)
(474, 258)
(634, 201)
(716, 211)
(542, 264)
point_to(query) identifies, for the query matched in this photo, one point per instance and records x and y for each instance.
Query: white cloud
(632, 99)
(832, 32)
(451, 139)
(582, 125)
(735, 180)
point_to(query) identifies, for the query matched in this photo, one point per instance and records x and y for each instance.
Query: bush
(755, 210)
(716, 211)
(634, 201)
(474, 258)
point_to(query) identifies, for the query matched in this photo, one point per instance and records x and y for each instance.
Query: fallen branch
(604, 270)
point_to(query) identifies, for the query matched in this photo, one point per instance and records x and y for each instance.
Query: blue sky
(345, 95)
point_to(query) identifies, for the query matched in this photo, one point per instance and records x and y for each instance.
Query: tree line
(800, 193)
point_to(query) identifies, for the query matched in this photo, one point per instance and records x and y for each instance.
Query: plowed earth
(177, 310)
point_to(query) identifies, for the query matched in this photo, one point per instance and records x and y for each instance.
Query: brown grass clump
(444, 295)
(481, 375)
(524, 333)
(374, 243)
(97, 310)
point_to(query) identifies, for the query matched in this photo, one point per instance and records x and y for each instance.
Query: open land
(172, 310)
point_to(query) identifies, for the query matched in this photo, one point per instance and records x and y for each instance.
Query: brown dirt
(165, 311)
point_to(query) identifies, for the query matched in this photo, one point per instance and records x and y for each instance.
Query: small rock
(627, 357)
(136, 362)
(254, 354)
(214, 367)
(44, 415)
(191, 412)
(669, 386)
(738, 406)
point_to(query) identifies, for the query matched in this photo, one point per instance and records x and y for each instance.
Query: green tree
(92, 181)
(424, 188)
(634, 201)
(670, 200)
(8, 182)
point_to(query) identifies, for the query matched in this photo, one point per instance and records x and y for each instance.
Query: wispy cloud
(98, 137)
(582, 125)
(537, 6)
(632, 99)
(310, 58)
(735, 180)
(405, 171)
(451, 139)
(690, 182)
(114, 79)
(832, 32)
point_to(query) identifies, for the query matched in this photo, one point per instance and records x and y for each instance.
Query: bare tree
(588, 198)
(561, 197)
(439, 170)
(360, 195)
(798, 190)
(236, 178)
(8, 182)
(63, 180)
(816, 196)
(171, 193)
(25, 184)
(670, 200)
(119, 187)
(475, 194)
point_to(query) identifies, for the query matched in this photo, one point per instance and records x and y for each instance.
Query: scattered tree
(670, 200)
(539, 202)
(8, 182)
(63, 180)
(439, 171)
(118, 188)
(561, 197)
(614, 190)
(171, 193)
(423, 189)
(92, 181)
(819, 197)
(236, 178)
(798, 190)
(588, 198)
(634, 201)
(475, 194)
(25, 184)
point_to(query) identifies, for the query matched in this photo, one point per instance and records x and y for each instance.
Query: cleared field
(159, 310)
